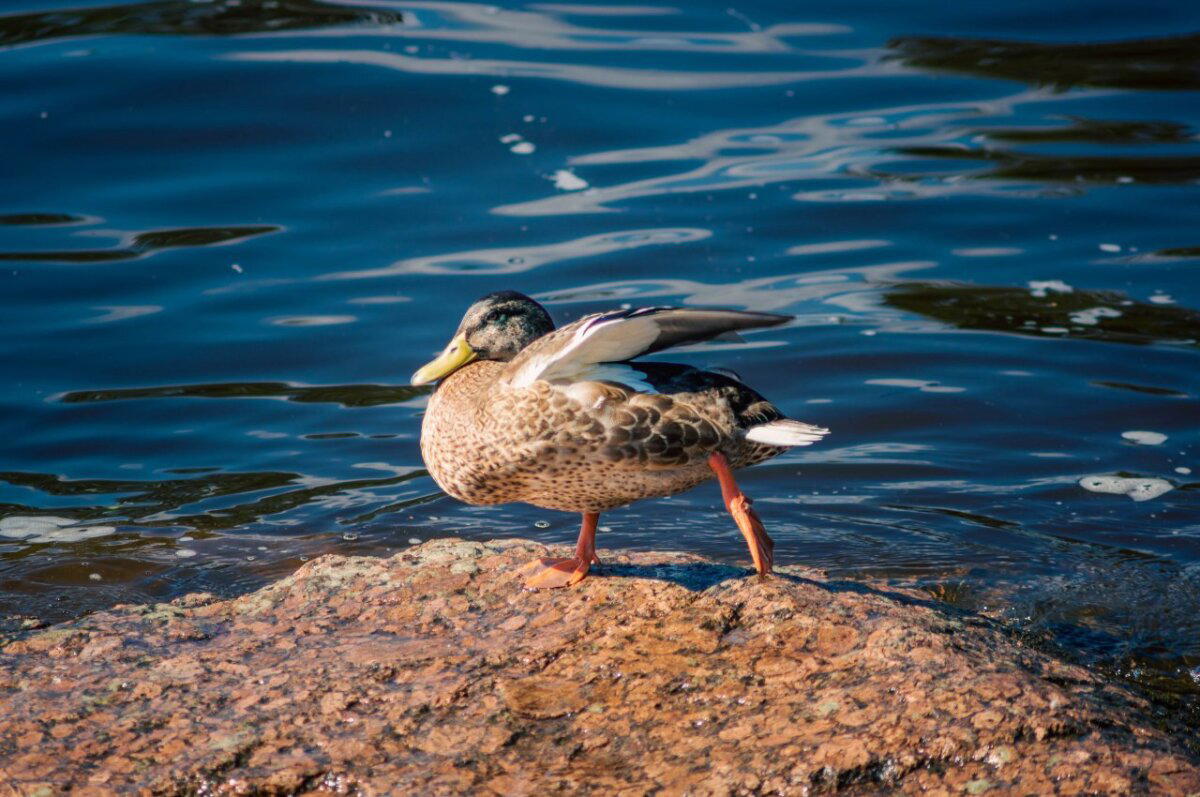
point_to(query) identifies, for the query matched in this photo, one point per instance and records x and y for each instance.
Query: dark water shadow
(1095, 131)
(1168, 63)
(367, 395)
(147, 243)
(188, 18)
(692, 576)
(1055, 315)
(1178, 253)
(990, 155)
(1072, 169)
(38, 219)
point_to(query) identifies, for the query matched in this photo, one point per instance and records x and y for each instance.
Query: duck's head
(494, 328)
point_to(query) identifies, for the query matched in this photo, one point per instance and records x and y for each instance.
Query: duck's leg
(762, 547)
(551, 573)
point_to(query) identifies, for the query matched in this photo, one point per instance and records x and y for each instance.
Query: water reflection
(849, 290)
(1171, 62)
(905, 152)
(510, 260)
(612, 77)
(186, 18)
(545, 27)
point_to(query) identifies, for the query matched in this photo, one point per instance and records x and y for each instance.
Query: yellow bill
(456, 355)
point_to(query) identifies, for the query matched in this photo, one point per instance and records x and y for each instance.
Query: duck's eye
(500, 318)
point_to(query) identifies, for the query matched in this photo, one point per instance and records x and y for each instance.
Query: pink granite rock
(432, 672)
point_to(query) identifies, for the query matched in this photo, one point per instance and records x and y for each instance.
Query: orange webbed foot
(555, 573)
(762, 547)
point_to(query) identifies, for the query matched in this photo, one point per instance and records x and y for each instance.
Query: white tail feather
(786, 432)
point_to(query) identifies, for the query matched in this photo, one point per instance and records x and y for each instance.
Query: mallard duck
(566, 419)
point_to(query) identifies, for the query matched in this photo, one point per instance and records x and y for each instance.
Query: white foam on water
(1142, 489)
(987, 251)
(311, 320)
(924, 385)
(1162, 298)
(500, 89)
(1092, 315)
(1145, 438)
(1183, 471)
(378, 300)
(47, 528)
(1055, 330)
(1040, 288)
(185, 553)
(828, 247)
(898, 382)
(510, 138)
(1110, 247)
(387, 467)
(567, 180)
(263, 434)
(121, 312)
(522, 148)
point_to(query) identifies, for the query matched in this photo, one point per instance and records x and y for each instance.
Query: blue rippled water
(230, 231)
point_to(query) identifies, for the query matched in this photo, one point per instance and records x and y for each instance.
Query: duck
(569, 419)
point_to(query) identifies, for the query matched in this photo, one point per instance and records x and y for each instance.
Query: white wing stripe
(600, 340)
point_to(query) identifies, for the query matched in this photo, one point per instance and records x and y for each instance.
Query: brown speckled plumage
(586, 446)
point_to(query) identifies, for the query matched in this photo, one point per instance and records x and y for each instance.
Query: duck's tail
(786, 432)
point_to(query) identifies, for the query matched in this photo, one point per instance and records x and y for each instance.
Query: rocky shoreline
(432, 672)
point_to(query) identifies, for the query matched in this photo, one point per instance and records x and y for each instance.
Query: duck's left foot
(762, 547)
(555, 573)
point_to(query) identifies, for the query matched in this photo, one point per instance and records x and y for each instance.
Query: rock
(541, 698)
(432, 672)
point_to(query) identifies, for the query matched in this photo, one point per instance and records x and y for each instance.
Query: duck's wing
(574, 351)
(759, 419)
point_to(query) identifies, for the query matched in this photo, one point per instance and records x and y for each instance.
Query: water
(230, 231)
